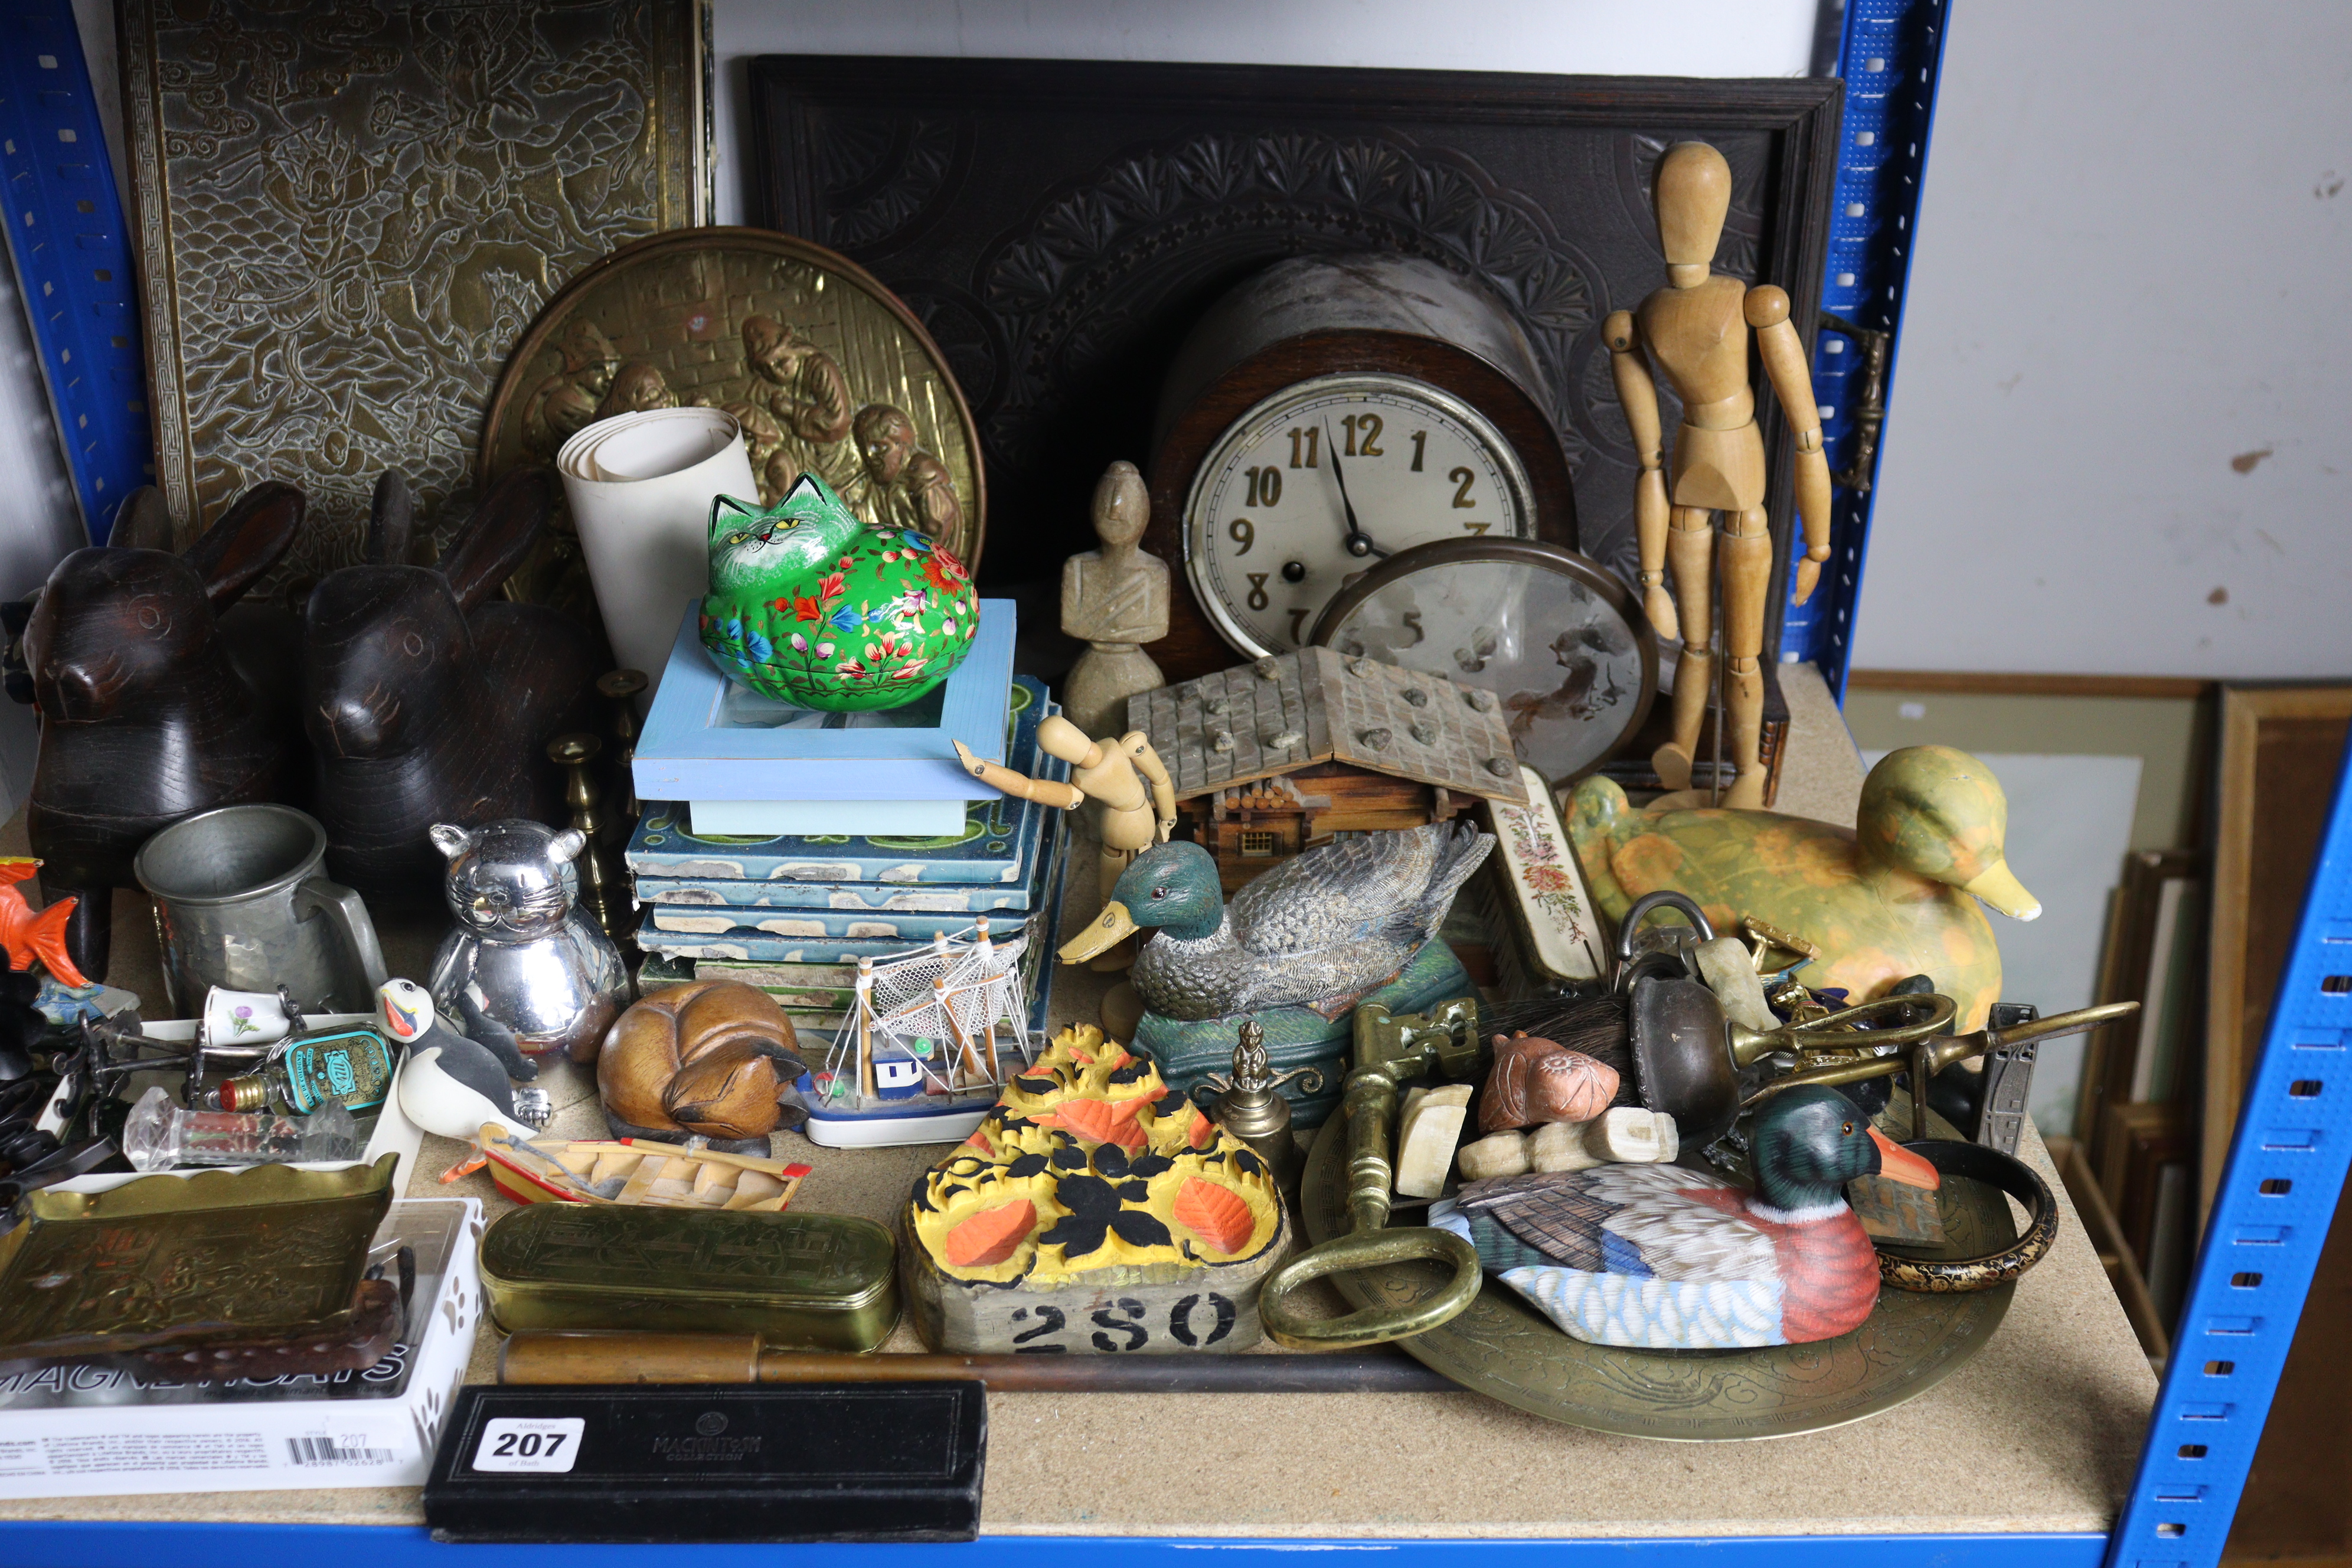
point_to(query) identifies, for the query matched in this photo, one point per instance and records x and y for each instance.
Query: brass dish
(757, 323)
(1503, 1348)
(266, 1252)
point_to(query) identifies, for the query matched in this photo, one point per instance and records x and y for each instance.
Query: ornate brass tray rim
(169, 1193)
(536, 339)
(1971, 1320)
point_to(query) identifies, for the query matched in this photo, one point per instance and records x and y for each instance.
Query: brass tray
(264, 1252)
(1505, 1349)
(701, 316)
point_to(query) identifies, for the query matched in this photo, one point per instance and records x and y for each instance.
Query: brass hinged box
(813, 1281)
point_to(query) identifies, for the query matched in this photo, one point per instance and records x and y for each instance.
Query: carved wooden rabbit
(429, 700)
(156, 703)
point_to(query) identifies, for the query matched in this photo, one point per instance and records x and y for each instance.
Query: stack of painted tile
(793, 915)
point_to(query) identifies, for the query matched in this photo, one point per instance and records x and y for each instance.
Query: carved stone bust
(1114, 598)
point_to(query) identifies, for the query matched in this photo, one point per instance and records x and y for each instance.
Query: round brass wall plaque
(826, 369)
(1505, 1349)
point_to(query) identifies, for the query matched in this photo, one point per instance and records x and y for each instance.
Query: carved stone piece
(158, 701)
(1114, 598)
(1539, 1080)
(429, 699)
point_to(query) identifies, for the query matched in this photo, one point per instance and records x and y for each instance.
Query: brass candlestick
(600, 885)
(620, 687)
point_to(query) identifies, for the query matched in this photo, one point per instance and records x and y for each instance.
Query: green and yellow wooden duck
(1895, 896)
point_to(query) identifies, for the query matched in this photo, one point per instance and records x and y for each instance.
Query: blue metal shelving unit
(72, 254)
(1890, 57)
(2277, 1195)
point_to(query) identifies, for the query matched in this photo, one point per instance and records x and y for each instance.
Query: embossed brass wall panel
(348, 214)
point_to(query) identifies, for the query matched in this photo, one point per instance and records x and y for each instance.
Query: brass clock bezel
(1244, 429)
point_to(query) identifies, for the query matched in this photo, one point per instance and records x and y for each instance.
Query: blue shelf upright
(1890, 58)
(73, 257)
(2271, 1214)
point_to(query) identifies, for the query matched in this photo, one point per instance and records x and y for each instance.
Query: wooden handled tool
(656, 1358)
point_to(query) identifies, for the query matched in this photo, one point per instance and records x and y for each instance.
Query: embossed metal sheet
(1505, 1349)
(266, 1251)
(803, 346)
(346, 217)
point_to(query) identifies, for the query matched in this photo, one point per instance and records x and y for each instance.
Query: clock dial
(1329, 477)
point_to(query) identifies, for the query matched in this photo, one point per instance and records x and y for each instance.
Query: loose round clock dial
(1328, 478)
(1326, 414)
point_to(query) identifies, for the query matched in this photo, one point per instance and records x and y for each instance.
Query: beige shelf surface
(2039, 1433)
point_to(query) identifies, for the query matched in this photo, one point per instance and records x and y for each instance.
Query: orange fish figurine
(28, 935)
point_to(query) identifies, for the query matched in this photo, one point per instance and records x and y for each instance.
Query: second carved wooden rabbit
(156, 703)
(429, 700)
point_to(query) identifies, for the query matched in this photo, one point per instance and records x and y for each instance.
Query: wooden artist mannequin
(1692, 329)
(1125, 774)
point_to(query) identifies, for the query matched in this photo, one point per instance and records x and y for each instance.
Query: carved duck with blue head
(1663, 1258)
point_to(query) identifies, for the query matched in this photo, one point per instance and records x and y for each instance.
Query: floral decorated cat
(809, 605)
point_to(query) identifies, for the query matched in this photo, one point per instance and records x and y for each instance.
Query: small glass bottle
(159, 1134)
(351, 1068)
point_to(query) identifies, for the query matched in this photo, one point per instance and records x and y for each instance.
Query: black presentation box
(726, 1462)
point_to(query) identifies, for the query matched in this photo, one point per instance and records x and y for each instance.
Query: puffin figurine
(1332, 922)
(1663, 1258)
(1897, 896)
(450, 1085)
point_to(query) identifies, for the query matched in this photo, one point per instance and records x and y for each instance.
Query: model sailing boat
(931, 1035)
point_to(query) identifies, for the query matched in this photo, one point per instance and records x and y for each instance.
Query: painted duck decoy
(1663, 1258)
(1331, 922)
(1894, 897)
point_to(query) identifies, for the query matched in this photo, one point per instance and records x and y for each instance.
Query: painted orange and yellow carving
(1091, 1162)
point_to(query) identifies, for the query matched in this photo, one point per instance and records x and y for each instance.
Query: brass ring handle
(1370, 1325)
(1928, 1014)
(1995, 1169)
(1940, 1011)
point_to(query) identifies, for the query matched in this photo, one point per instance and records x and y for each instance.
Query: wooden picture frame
(2160, 903)
(2282, 750)
(1060, 225)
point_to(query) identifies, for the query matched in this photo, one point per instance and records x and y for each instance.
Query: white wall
(2121, 428)
(1608, 38)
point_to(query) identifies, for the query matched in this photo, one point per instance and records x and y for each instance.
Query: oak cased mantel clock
(1325, 414)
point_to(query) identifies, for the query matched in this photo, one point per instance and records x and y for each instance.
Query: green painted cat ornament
(811, 606)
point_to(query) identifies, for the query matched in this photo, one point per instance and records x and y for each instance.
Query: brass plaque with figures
(826, 372)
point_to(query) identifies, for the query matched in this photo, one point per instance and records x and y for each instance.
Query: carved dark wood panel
(1058, 225)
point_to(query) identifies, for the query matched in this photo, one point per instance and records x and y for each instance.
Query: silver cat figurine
(525, 963)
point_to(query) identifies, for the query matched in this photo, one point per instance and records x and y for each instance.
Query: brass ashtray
(265, 1253)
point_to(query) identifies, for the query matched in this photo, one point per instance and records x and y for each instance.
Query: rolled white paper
(640, 485)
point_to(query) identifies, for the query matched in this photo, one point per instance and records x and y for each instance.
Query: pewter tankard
(240, 903)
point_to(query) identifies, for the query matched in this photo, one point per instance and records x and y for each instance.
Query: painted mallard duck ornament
(809, 605)
(1328, 924)
(1663, 1258)
(1894, 897)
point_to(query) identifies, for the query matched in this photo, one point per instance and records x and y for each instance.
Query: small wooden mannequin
(1693, 330)
(1124, 775)
(1115, 598)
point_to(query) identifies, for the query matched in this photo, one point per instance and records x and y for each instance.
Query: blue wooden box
(990, 864)
(707, 739)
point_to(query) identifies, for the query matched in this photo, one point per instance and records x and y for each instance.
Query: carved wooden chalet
(1273, 757)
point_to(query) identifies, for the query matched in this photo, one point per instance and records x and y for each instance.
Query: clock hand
(1359, 543)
